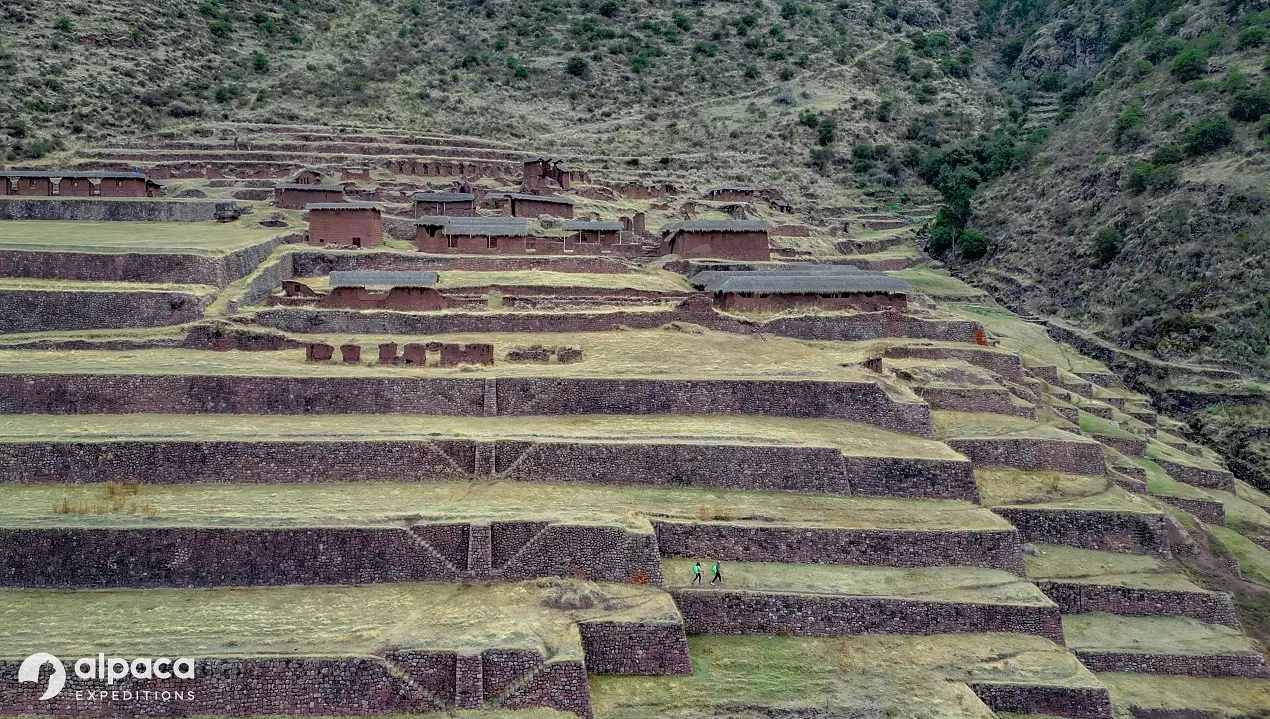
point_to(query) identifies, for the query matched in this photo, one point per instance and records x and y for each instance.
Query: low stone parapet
(1243, 664)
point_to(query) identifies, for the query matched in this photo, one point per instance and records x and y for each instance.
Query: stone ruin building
(721, 239)
(357, 224)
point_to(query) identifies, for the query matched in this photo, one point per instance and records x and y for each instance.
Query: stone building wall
(995, 549)
(752, 246)
(709, 611)
(1074, 598)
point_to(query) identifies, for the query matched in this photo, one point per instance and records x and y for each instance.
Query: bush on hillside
(1169, 154)
(1147, 176)
(1249, 105)
(1107, 243)
(1209, 135)
(973, 245)
(577, 66)
(1190, 65)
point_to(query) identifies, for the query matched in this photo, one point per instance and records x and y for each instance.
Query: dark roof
(787, 283)
(444, 197)
(434, 220)
(717, 226)
(591, 225)
(539, 198)
(76, 174)
(341, 206)
(373, 278)
(708, 277)
(487, 226)
(301, 186)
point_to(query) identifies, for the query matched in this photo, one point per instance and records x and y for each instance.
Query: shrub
(828, 130)
(787, 73)
(682, 22)
(1190, 65)
(973, 245)
(1107, 243)
(809, 118)
(886, 111)
(179, 109)
(708, 49)
(751, 71)
(863, 152)
(1249, 105)
(903, 62)
(1208, 135)
(1169, 154)
(1147, 176)
(609, 8)
(64, 24)
(1126, 120)
(821, 157)
(260, 61)
(221, 28)
(522, 71)
(1163, 50)
(577, 66)
(1252, 37)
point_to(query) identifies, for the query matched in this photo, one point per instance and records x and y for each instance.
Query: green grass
(853, 437)
(388, 504)
(951, 424)
(1087, 566)
(195, 238)
(13, 284)
(1090, 424)
(1159, 450)
(314, 621)
(938, 283)
(948, 584)
(765, 676)
(1097, 631)
(1254, 560)
(1010, 486)
(1027, 339)
(1226, 698)
(662, 353)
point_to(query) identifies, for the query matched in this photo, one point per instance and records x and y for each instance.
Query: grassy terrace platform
(1096, 631)
(1210, 698)
(1058, 563)
(1044, 489)
(948, 584)
(909, 676)
(650, 280)
(196, 238)
(951, 424)
(852, 437)
(11, 284)
(382, 504)
(314, 621)
(662, 354)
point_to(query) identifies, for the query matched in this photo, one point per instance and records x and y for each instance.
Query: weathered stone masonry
(1074, 597)
(707, 611)
(1092, 529)
(94, 394)
(30, 310)
(1073, 702)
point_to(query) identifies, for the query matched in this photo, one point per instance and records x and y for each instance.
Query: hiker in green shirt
(717, 577)
(696, 573)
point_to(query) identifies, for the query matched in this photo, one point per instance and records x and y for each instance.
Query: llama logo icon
(30, 672)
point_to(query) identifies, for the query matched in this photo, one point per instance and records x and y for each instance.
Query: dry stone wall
(1075, 457)
(1074, 598)
(1073, 702)
(996, 549)
(635, 648)
(1248, 665)
(27, 310)
(134, 266)
(1199, 476)
(709, 611)
(1092, 529)
(26, 208)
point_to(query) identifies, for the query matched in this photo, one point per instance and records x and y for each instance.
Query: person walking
(717, 576)
(696, 573)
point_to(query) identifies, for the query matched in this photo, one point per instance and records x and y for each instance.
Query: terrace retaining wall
(121, 210)
(709, 611)
(1248, 665)
(995, 549)
(1074, 702)
(844, 328)
(1074, 598)
(635, 648)
(402, 682)
(1006, 364)
(94, 394)
(309, 263)
(32, 310)
(135, 266)
(1205, 510)
(232, 557)
(1199, 476)
(1092, 529)
(1075, 457)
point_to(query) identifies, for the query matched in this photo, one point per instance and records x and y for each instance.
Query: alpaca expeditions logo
(110, 670)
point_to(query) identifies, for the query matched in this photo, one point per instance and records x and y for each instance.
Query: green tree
(973, 245)
(1249, 105)
(1190, 65)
